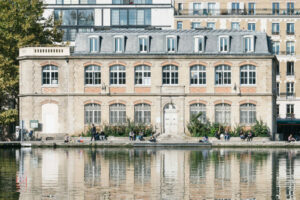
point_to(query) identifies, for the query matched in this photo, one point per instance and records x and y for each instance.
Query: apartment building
(279, 19)
(158, 77)
(80, 16)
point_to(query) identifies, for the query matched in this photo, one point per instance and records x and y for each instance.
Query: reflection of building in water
(158, 174)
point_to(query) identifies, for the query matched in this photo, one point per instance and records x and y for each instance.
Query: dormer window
(94, 44)
(143, 44)
(249, 43)
(119, 44)
(224, 44)
(171, 44)
(199, 44)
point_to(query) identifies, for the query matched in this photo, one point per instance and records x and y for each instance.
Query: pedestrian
(227, 135)
(93, 132)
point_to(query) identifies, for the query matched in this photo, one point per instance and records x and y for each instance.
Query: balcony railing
(287, 95)
(290, 115)
(214, 12)
(44, 51)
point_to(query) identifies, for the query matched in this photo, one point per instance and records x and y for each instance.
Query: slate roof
(185, 41)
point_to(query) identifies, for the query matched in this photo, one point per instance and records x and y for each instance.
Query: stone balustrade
(44, 51)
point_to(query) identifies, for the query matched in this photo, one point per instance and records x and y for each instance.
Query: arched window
(170, 75)
(197, 108)
(223, 113)
(142, 75)
(248, 75)
(50, 75)
(117, 75)
(198, 75)
(117, 113)
(92, 113)
(92, 75)
(223, 75)
(248, 113)
(142, 113)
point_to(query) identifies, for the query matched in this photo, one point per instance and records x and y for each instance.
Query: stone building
(279, 19)
(160, 77)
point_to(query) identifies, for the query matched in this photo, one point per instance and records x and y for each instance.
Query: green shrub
(260, 129)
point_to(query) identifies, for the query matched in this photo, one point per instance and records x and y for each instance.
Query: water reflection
(149, 174)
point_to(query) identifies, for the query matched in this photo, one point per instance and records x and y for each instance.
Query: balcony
(289, 53)
(287, 95)
(290, 115)
(275, 32)
(44, 51)
(290, 32)
(212, 12)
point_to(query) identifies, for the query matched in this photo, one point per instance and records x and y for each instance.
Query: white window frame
(221, 48)
(223, 113)
(196, 108)
(245, 73)
(292, 68)
(118, 70)
(117, 114)
(53, 81)
(290, 47)
(225, 73)
(181, 25)
(276, 47)
(92, 70)
(173, 75)
(92, 113)
(119, 43)
(94, 44)
(251, 25)
(250, 43)
(144, 70)
(290, 88)
(196, 44)
(167, 43)
(247, 114)
(145, 40)
(234, 27)
(142, 113)
(198, 73)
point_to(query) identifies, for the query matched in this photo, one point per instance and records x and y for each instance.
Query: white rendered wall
(282, 107)
(104, 2)
(106, 17)
(163, 17)
(98, 17)
(49, 1)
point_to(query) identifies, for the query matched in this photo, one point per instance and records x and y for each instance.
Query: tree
(21, 24)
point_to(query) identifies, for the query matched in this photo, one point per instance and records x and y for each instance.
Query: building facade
(279, 19)
(158, 77)
(81, 16)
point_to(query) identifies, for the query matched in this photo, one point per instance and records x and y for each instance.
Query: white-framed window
(199, 44)
(170, 75)
(92, 75)
(224, 44)
(235, 25)
(290, 28)
(290, 110)
(275, 47)
(247, 113)
(235, 8)
(196, 8)
(248, 75)
(275, 28)
(223, 113)
(117, 114)
(143, 44)
(196, 25)
(251, 8)
(275, 8)
(142, 113)
(211, 8)
(171, 44)
(290, 88)
(92, 113)
(94, 44)
(290, 48)
(142, 75)
(223, 75)
(179, 25)
(211, 25)
(119, 44)
(290, 71)
(198, 75)
(251, 26)
(290, 8)
(117, 75)
(197, 108)
(249, 43)
(50, 75)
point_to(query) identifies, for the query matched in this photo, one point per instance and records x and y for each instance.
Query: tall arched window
(170, 75)
(142, 75)
(92, 75)
(142, 113)
(197, 108)
(117, 75)
(198, 75)
(223, 75)
(117, 113)
(248, 113)
(50, 75)
(223, 113)
(92, 113)
(248, 75)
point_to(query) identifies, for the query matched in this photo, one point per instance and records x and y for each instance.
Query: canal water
(149, 173)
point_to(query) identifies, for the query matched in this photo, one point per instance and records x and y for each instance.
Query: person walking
(94, 131)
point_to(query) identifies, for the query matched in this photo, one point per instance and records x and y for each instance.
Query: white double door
(170, 119)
